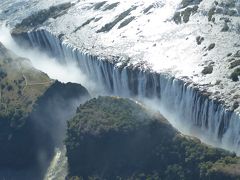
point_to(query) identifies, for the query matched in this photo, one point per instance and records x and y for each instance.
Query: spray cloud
(51, 66)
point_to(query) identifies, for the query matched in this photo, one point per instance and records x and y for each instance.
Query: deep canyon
(164, 54)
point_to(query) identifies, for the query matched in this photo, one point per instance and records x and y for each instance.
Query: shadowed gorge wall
(48, 119)
(32, 145)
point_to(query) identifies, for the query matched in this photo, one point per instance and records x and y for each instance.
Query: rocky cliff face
(33, 114)
(115, 138)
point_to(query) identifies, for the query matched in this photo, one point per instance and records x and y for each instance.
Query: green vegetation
(207, 70)
(111, 6)
(211, 46)
(84, 24)
(186, 3)
(234, 63)
(115, 138)
(199, 40)
(21, 85)
(108, 115)
(184, 15)
(126, 22)
(97, 6)
(211, 13)
(235, 74)
(107, 27)
(40, 17)
(33, 111)
(187, 8)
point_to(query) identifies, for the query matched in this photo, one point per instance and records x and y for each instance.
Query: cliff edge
(33, 113)
(116, 138)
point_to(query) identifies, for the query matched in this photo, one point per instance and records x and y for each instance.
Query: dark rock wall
(32, 146)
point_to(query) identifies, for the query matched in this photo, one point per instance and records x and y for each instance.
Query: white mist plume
(69, 72)
(63, 72)
(182, 125)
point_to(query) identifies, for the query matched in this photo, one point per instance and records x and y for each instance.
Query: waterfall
(180, 99)
(58, 168)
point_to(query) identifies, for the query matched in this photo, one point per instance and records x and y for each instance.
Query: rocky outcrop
(115, 138)
(49, 115)
(235, 74)
(184, 15)
(41, 16)
(186, 9)
(208, 69)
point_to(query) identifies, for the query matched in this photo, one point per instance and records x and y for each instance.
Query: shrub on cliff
(41, 16)
(235, 74)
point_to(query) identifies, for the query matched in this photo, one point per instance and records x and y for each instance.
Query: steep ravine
(183, 100)
(49, 119)
(33, 114)
(32, 146)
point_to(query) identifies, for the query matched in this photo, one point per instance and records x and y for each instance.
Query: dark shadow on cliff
(114, 138)
(29, 152)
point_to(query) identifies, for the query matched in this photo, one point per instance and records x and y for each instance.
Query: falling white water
(58, 168)
(65, 73)
(55, 70)
(181, 103)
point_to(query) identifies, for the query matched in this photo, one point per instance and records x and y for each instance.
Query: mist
(49, 122)
(182, 125)
(71, 73)
(68, 72)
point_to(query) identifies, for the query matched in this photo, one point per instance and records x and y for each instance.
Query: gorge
(182, 98)
(34, 109)
(162, 53)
